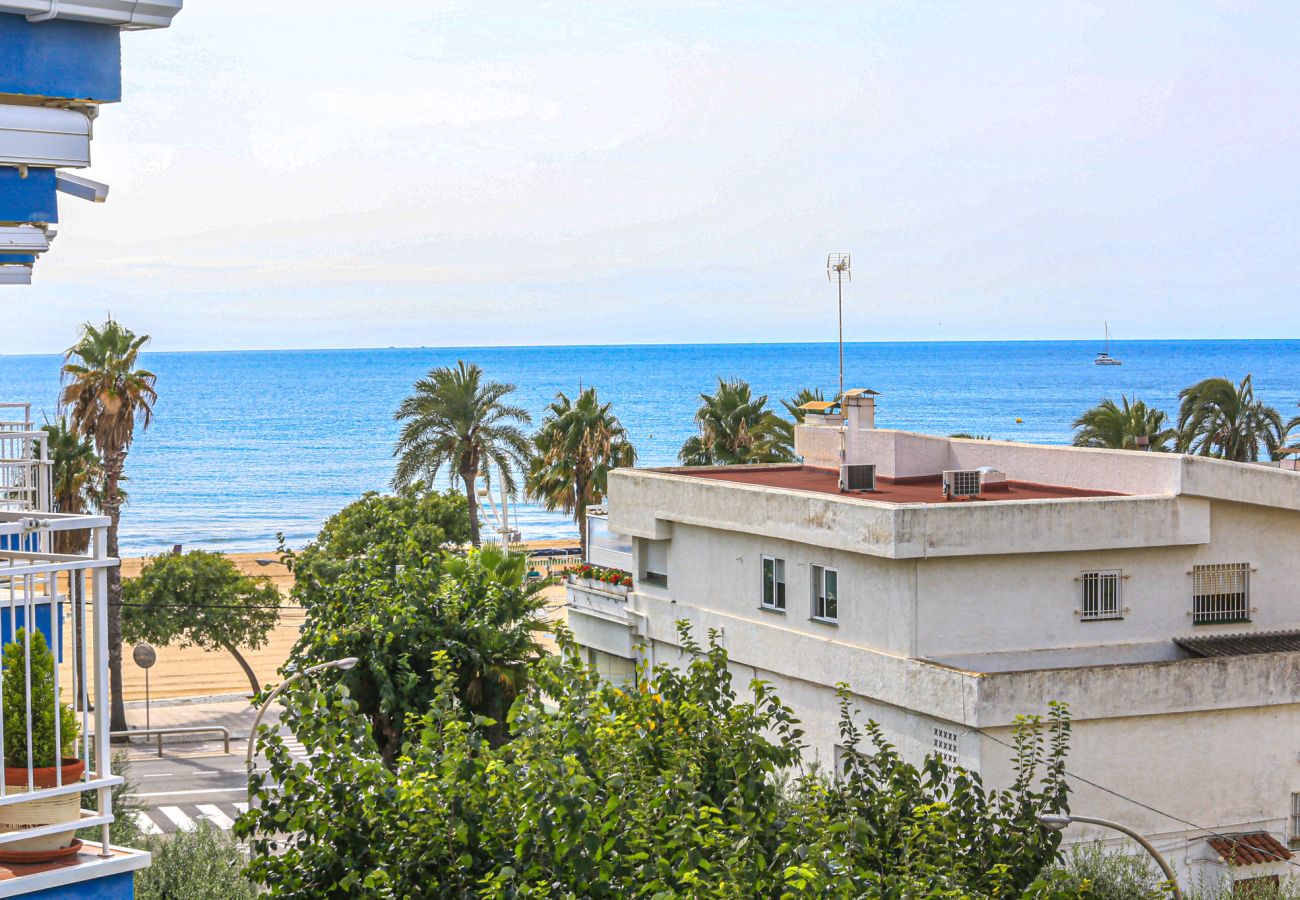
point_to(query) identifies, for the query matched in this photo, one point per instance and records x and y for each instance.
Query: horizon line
(1082, 341)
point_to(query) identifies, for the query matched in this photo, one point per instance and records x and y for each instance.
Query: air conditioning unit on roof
(857, 477)
(961, 483)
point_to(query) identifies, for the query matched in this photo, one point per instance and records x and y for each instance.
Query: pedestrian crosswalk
(187, 816)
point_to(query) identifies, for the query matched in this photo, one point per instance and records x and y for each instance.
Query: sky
(320, 173)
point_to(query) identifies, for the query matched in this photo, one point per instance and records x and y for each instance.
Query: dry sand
(197, 673)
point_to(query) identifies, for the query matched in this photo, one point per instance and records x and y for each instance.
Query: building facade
(977, 581)
(60, 62)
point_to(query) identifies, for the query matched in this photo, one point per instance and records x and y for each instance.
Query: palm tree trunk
(471, 500)
(113, 508)
(243, 664)
(580, 513)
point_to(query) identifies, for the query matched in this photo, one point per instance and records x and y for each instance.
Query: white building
(1157, 594)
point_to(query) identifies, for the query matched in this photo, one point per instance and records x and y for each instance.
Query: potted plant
(47, 757)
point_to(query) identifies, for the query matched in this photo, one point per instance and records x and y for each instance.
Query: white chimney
(860, 409)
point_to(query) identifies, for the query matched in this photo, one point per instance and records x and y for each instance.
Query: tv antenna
(839, 271)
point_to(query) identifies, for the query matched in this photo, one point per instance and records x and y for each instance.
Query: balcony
(53, 681)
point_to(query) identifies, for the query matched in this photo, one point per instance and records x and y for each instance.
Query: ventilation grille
(961, 483)
(857, 478)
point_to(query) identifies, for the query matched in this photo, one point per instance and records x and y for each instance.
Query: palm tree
(76, 478)
(573, 452)
(455, 419)
(805, 395)
(736, 428)
(106, 396)
(1118, 426)
(1221, 419)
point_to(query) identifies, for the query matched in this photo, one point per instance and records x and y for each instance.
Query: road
(186, 787)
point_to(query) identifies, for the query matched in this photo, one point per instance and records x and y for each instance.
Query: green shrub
(44, 751)
(1111, 875)
(204, 864)
(674, 787)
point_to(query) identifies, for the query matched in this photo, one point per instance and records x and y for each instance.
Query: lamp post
(1060, 823)
(343, 664)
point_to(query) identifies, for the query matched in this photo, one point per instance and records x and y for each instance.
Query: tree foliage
(1118, 426)
(394, 618)
(736, 428)
(391, 530)
(1224, 420)
(36, 709)
(577, 445)
(673, 788)
(200, 599)
(455, 420)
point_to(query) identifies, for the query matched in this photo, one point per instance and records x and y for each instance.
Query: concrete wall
(1228, 770)
(989, 604)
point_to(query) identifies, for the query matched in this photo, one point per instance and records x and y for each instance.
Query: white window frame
(1221, 593)
(778, 584)
(822, 610)
(1101, 595)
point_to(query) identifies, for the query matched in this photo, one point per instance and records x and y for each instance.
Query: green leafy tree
(573, 452)
(77, 479)
(455, 420)
(35, 709)
(735, 428)
(1224, 420)
(674, 787)
(106, 396)
(199, 599)
(388, 529)
(1118, 426)
(394, 619)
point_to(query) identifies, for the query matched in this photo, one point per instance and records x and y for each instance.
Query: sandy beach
(196, 673)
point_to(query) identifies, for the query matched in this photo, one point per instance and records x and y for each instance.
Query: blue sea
(248, 444)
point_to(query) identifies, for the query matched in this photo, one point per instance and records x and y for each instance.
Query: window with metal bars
(1220, 593)
(1101, 595)
(1295, 820)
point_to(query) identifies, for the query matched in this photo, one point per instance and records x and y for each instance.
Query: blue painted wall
(42, 617)
(30, 199)
(72, 60)
(17, 259)
(114, 887)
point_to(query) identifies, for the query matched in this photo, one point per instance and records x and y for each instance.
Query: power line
(1146, 806)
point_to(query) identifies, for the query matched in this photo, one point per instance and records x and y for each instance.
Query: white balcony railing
(43, 576)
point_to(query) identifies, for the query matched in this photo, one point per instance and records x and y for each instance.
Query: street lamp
(1060, 823)
(343, 664)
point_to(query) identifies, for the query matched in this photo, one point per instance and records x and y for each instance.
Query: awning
(1241, 644)
(23, 239)
(1250, 849)
(819, 406)
(43, 136)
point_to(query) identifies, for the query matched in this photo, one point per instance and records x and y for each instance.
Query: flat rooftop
(919, 489)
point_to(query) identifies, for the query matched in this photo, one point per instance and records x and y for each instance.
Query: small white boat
(1104, 358)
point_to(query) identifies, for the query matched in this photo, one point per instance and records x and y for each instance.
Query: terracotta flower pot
(40, 811)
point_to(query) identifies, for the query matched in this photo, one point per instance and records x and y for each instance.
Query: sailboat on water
(1104, 358)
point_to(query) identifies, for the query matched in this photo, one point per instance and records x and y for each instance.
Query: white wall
(991, 604)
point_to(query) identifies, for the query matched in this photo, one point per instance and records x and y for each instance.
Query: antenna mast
(838, 271)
